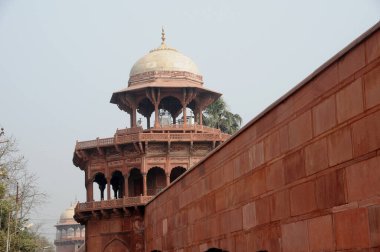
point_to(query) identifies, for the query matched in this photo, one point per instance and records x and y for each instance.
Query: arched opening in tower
(101, 180)
(135, 183)
(146, 108)
(215, 250)
(170, 107)
(156, 180)
(117, 183)
(176, 172)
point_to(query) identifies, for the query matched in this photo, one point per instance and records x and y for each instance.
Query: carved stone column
(133, 117)
(156, 121)
(167, 179)
(154, 95)
(108, 189)
(188, 96)
(90, 191)
(148, 122)
(126, 185)
(145, 190)
(184, 114)
(200, 119)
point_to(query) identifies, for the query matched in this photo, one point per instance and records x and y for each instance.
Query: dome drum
(166, 75)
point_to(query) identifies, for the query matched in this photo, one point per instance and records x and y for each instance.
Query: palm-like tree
(217, 115)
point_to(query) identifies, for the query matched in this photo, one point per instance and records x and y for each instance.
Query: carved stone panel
(179, 148)
(130, 150)
(112, 153)
(116, 163)
(195, 160)
(156, 148)
(201, 148)
(155, 160)
(133, 160)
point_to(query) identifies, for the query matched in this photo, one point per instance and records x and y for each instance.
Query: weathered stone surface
(321, 235)
(351, 229)
(303, 177)
(324, 115)
(295, 237)
(302, 198)
(349, 101)
(339, 146)
(316, 157)
(363, 179)
(300, 130)
(294, 166)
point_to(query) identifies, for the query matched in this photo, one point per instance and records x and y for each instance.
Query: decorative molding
(172, 75)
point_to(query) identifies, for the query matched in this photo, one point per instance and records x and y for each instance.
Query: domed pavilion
(123, 172)
(70, 235)
(164, 79)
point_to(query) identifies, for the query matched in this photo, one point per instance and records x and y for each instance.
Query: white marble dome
(164, 59)
(67, 216)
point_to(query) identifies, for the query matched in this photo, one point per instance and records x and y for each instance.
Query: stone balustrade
(141, 137)
(110, 204)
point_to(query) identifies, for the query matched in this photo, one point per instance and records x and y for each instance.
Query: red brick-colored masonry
(302, 176)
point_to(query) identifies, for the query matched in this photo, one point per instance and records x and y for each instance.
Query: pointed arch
(171, 104)
(135, 183)
(176, 172)
(156, 180)
(116, 245)
(215, 250)
(101, 180)
(117, 183)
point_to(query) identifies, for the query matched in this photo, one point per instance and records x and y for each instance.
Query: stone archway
(117, 183)
(135, 183)
(101, 180)
(173, 106)
(156, 180)
(176, 172)
(116, 245)
(215, 250)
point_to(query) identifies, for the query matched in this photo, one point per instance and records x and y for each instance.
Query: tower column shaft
(200, 120)
(144, 184)
(167, 179)
(133, 117)
(90, 191)
(156, 121)
(148, 122)
(184, 116)
(108, 190)
(125, 185)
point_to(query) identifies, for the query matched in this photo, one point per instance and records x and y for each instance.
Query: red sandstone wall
(303, 177)
(115, 233)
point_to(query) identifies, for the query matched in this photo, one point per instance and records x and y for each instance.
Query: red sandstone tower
(135, 164)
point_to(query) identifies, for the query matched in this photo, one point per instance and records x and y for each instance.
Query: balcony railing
(110, 204)
(141, 137)
(155, 190)
(193, 127)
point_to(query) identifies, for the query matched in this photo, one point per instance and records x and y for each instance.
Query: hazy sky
(60, 61)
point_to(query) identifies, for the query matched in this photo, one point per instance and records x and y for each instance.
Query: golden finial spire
(163, 44)
(162, 36)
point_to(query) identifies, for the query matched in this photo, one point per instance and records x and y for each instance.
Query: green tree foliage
(217, 115)
(19, 195)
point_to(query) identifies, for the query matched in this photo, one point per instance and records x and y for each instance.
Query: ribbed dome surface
(67, 215)
(164, 59)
